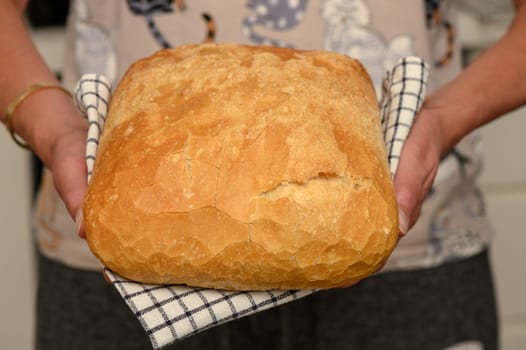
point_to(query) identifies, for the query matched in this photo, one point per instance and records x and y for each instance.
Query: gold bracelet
(11, 109)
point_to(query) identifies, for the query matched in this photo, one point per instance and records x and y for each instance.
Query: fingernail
(79, 218)
(403, 223)
(105, 276)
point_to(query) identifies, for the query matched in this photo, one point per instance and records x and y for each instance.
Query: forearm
(41, 116)
(20, 61)
(492, 85)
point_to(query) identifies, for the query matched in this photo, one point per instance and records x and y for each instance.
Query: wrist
(17, 101)
(449, 117)
(43, 118)
(430, 134)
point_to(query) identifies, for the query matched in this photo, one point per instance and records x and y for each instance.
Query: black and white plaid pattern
(170, 313)
(404, 89)
(92, 95)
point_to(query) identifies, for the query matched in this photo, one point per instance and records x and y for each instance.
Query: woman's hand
(60, 142)
(56, 131)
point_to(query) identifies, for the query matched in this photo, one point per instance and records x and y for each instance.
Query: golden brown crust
(242, 167)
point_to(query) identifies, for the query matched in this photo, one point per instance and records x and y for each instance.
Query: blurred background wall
(503, 182)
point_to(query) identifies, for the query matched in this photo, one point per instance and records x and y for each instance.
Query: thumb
(70, 181)
(414, 176)
(408, 190)
(404, 209)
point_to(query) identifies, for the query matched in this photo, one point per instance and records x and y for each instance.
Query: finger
(79, 224)
(407, 182)
(412, 184)
(415, 173)
(70, 180)
(405, 205)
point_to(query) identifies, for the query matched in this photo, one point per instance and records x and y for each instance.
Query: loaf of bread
(242, 168)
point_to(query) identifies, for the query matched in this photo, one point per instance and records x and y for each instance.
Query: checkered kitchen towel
(170, 313)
